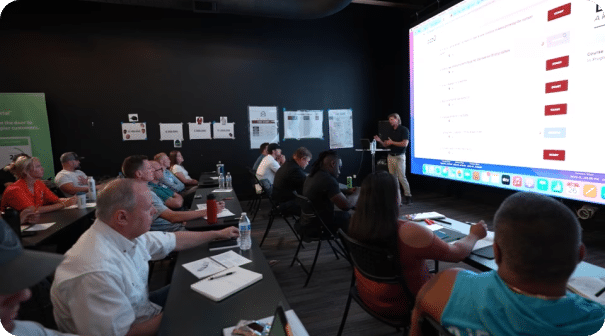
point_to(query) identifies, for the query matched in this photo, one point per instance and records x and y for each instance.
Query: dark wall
(98, 62)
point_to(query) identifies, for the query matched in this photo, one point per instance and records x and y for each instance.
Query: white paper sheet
(303, 124)
(224, 213)
(171, 132)
(134, 131)
(263, 125)
(199, 131)
(340, 125)
(37, 227)
(223, 130)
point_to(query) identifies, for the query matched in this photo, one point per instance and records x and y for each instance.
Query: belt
(391, 154)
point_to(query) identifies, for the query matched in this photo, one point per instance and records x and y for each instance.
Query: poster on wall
(199, 129)
(263, 125)
(134, 131)
(171, 132)
(223, 129)
(340, 125)
(303, 124)
(24, 129)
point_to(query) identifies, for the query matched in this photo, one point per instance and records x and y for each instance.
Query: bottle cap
(210, 197)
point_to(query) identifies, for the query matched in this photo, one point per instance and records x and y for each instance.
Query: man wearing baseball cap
(21, 269)
(71, 180)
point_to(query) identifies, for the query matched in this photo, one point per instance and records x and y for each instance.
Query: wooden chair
(313, 228)
(379, 265)
(430, 327)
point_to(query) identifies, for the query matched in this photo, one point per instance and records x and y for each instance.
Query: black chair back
(430, 327)
(375, 263)
(11, 216)
(311, 224)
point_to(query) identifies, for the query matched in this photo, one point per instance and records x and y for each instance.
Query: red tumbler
(211, 209)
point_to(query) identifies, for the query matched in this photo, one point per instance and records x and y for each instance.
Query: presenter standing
(397, 141)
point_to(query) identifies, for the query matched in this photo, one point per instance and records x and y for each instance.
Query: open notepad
(225, 283)
(211, 265)
(588, 287)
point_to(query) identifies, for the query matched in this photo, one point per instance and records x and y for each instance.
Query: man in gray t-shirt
(71, 180)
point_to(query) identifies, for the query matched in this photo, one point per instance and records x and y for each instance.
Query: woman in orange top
(29, 191)
(376, 222)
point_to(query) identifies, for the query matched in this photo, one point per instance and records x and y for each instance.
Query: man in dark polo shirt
(324, 192)
(397, 140)
(290, 178)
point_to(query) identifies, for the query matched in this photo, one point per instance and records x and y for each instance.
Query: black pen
(220, 276)
(442, 221)
(600, 292)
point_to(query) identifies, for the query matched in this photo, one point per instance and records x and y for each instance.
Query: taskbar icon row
(573, 189)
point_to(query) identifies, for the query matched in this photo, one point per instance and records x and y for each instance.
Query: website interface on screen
(511, 93)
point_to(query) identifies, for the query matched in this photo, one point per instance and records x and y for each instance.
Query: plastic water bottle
(245, 242)
(220, 168)
(228, 184)
(221, 181)
(92, 190)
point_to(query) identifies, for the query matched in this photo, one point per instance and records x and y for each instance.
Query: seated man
(269, 165)
(170, 198)
(263, 153)
(537, 246)
(323, 190)
(138, 167)
(289, 179)
(21, 269)
(101, 287)
(71, 180)
(168, 178)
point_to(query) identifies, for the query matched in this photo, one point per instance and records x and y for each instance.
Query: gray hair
(539, 237)
(119, 194)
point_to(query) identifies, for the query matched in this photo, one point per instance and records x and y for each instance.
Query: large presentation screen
(511, 94)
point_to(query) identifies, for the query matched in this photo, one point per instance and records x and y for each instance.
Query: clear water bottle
(245, 242)
(228, 184)
(221, 181)
(220, 168)
(92, 190)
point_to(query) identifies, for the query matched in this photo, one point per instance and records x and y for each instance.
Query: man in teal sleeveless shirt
(537, 247)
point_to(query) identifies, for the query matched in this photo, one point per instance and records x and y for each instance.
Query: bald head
(539, 238)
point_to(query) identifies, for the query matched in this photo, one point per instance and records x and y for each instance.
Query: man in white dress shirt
(101, 287)
(21, 269)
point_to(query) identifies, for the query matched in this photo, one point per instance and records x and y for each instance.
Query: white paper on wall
(263, 125)
(173, 131)
(303, 124)
(134, 131)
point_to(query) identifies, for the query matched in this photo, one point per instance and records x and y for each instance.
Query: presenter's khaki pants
(396, 166)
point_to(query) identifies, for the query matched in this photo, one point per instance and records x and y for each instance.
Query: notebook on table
(225, 283)
(449, 235)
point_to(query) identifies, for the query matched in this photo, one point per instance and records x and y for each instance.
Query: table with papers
(229, 217)
(190, 313)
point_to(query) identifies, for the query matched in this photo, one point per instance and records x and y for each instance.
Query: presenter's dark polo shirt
(289, 178)
(397, 135)
(319, 188)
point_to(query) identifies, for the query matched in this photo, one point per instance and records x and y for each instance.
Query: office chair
(313, 228)
(376, 264)
(430, 327)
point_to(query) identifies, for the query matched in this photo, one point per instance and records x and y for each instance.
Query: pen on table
(600, 292)
(442, 221)
(220, 276)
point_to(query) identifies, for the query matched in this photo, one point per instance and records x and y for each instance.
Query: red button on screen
(556, 155)
(556, 86)
(555, 109)
(556, 63)
(559, 12)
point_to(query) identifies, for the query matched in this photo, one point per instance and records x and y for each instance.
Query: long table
(485, 264)
(69, 225)
(232, 203)
(189, 313)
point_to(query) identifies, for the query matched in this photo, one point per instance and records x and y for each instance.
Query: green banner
(24, 129)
